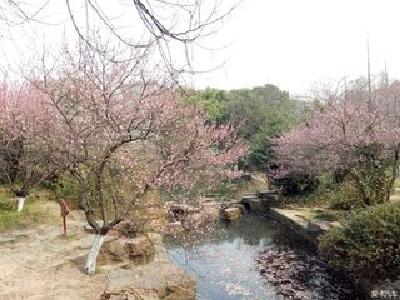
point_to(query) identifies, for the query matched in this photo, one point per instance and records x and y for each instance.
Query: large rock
(231, 214)
(127, 229)
(239, 206)
(180, 211)
(210, 210)
(183, 216)
(136, 251)
(179, 207)
(157, 280)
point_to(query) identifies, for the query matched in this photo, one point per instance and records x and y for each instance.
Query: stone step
(231, 214)
(250, 196)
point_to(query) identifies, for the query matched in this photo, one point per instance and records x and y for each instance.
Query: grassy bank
(40, 207)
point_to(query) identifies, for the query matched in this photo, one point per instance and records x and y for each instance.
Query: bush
(368, 246)
(294, 183)
(345, 197)
(342, 196)
(65, 187)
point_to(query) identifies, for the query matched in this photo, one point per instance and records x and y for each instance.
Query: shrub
(368, 246)
(294, 183)
(345, 197)
(336, 196)
(342, 196)
(65, 187)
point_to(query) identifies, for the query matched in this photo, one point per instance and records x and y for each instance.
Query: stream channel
(224, 262)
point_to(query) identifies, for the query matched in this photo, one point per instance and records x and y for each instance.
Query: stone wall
(307, 229)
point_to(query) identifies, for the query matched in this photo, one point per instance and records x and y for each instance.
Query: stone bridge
(260, 202)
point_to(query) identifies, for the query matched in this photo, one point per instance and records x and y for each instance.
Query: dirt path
(39, 264)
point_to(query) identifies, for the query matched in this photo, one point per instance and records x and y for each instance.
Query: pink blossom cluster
(29, 137)
(341, 133)
(112, 119)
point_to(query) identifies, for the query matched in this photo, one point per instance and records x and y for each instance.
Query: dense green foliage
(367, 247)
(345, 196)
(296, 183)
(335, 195)
(65, 187)
(262, 113)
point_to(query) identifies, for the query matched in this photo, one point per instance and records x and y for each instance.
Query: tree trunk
(21, 202)
(94, 250)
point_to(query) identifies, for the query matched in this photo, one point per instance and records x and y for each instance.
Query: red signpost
(64, 214)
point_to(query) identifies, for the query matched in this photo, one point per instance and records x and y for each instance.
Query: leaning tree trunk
(90, 266)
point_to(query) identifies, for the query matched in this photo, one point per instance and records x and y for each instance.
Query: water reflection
(222, 259)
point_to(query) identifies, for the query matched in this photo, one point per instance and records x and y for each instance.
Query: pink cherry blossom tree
(26, 124)
(129, 129)
(353, 131)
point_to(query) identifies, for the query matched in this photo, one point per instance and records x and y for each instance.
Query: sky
(298, 45)
(294, 44)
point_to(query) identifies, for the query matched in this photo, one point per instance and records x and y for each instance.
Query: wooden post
(64, 213)
(65, 226)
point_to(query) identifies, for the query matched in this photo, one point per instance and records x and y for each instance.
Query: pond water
(223, 259)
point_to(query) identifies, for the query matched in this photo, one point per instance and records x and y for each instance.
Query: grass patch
(397, 183)
(331, 215)
(37, 210)
(69, 237)
(324, 214)
(305, 214)
(343, 196)
(320, 199)
(32, 214)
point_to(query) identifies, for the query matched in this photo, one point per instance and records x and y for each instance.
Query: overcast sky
(297, 43)
(291, 43)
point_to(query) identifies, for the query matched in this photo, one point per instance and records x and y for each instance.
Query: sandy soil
(39, 263)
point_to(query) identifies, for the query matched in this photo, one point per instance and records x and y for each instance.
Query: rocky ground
(38, 263)
(300, 275)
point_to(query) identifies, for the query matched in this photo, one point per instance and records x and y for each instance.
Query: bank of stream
(252, 259)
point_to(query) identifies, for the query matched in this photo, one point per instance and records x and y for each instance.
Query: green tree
(267, 111)
(263, 112)
(213, 102)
